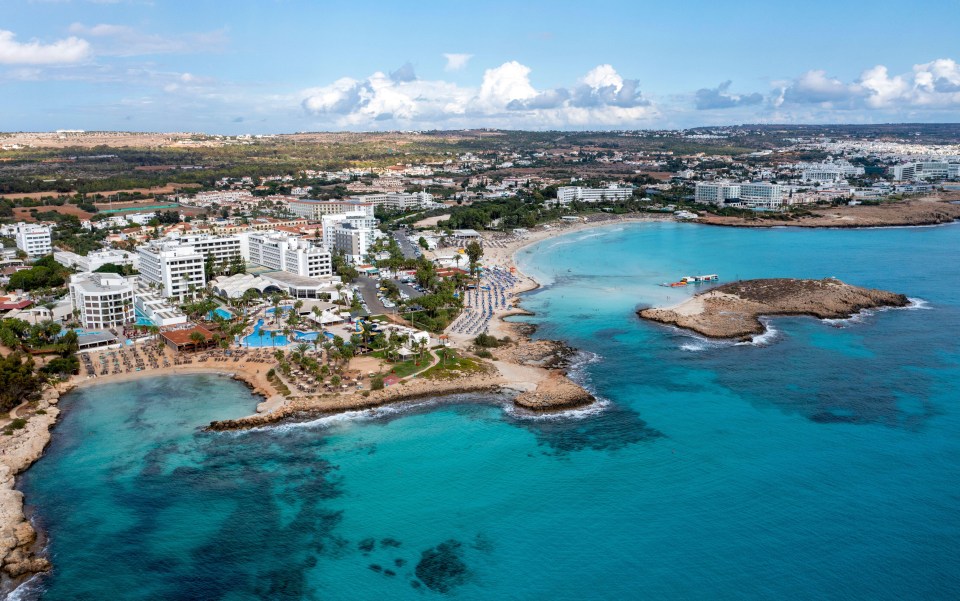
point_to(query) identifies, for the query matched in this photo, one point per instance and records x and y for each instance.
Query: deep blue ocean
(822, 462)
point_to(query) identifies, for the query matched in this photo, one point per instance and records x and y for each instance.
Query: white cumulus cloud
(506, 97)
(932, 85)
(34, 52)
(456, 61)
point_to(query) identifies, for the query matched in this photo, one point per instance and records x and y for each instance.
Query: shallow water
(820, 462)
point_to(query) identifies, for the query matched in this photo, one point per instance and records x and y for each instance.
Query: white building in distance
(398, 201)
(314, 210)
(716, 193)
(34, 239)
(925, 170)
(95, 260)
(103, 300)
(761, 195)
(568, 194)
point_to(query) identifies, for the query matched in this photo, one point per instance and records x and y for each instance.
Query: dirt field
(167, 189)
(23, 213)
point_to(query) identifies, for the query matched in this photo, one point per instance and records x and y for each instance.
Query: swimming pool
(283, 309)
(142, 320)
(221, 312)
(260, 337)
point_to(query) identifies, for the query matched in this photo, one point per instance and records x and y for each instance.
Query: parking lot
(406, 247)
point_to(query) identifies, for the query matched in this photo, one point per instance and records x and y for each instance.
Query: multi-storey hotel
(398, 201)
(103, 300)
(286, 252)
(568, 194)
(177, 270)
(761, 195)
(34, 239)
(315, 209)
(221, 248)
(716, 193)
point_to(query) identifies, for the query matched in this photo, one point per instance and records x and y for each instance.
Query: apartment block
(568, 194)
(315, 209)
(716, 193)
(286, 252)
(175, 269)
(103, 300)
(34, 239)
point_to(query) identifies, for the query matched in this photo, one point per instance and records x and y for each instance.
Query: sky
(281, 66)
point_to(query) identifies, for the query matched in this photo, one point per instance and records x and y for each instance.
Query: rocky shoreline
(733, 311)
(920, 212)
(553, 392)
(20, 551)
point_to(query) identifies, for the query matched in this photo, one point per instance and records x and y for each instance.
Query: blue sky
(274, 66)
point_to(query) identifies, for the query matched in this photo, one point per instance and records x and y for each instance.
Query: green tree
(474, 252)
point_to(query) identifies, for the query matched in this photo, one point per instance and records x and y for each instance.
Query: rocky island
(733, 311)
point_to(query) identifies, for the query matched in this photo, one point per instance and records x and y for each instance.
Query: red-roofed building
(11, 305)
(449, 272)
(182, 340)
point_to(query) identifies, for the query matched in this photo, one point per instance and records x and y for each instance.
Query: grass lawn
(454, 367)
(406, 368)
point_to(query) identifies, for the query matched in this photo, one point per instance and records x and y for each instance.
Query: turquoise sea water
(822, 463)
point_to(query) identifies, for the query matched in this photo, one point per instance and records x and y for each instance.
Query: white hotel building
(761, 195)
(758, 195)
(351, 233)
(315, 209)
(95, 260)
(716, 193)
(221, 248)
(34, 239)
(286, 252)
(927, 170)
(398, 201)
(104, 300)
(568, 194)
(176, 269)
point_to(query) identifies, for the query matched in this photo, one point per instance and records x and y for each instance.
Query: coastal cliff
(733, 310)
(18, 451)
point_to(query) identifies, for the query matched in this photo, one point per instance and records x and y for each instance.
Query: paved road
(368, 290)
(409, 252)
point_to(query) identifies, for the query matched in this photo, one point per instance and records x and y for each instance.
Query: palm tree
(275, 301)
(421, 345)
(197, 339)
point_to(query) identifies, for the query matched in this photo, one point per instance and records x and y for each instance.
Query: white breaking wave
(598, 406)
(915, 303)
(766, 339)
(859, 317)
(28, 589)
(578, 374)
(345, 417)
